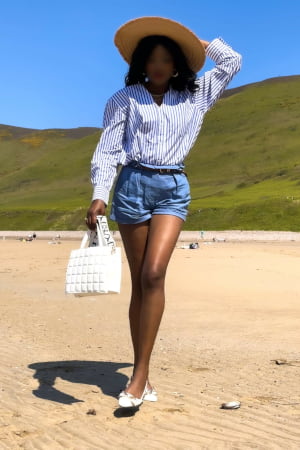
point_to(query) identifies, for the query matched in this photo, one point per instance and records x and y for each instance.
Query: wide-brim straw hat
(128, 36)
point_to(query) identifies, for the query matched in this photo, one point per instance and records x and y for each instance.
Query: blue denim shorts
(141, 193)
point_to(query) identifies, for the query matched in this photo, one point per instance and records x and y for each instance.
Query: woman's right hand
(97, 208)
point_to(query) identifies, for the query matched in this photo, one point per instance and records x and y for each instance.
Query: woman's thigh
(149, 245)
(162, 237)
(134, 238)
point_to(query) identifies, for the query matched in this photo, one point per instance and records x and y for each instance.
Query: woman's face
(160, 66)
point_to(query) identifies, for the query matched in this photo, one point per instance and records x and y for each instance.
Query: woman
(149, 128)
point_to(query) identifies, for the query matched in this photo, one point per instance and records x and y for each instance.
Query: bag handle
(100, 237)
(104, 236)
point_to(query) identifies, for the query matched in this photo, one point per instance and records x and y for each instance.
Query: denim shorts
(140, 193)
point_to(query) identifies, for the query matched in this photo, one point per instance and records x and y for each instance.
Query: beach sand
(232, 309)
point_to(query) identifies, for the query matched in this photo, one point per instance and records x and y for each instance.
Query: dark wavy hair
(136, 74)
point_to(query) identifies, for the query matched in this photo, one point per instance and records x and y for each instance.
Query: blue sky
(59, 64)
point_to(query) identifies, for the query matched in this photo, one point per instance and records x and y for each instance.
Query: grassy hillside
(245, 165)
(244, 168)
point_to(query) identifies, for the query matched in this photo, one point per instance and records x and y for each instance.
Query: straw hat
(128, 36)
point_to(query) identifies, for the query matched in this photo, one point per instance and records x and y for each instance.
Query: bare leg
(148, 275)
(135, 240)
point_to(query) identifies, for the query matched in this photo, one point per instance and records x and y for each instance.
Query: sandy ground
(232, 309)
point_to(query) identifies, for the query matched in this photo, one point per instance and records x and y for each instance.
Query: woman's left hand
(204, 43)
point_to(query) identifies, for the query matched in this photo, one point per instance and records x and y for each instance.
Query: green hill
(244, 169)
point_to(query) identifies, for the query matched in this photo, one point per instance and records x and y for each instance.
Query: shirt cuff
(100, 193)
(215, 49)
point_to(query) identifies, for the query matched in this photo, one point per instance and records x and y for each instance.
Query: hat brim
(128, 36)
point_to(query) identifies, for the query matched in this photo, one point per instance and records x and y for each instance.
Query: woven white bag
(95, 269)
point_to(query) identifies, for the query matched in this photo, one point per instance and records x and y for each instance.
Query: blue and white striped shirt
(136, 128)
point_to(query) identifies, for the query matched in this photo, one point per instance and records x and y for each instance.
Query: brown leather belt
(138, 165)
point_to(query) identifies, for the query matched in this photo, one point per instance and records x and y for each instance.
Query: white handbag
(95, 269)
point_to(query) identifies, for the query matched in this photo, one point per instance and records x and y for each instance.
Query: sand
(232, 309)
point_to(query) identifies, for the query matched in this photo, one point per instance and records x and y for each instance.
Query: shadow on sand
(103, 374)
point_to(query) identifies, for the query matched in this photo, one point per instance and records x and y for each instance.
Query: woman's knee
(153, 278)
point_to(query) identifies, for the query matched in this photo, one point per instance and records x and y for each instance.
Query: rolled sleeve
(213, 82)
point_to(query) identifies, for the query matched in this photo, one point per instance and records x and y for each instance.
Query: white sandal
(150, 394)
(127, 400)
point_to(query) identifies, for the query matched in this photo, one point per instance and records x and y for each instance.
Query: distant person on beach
(149, 128)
